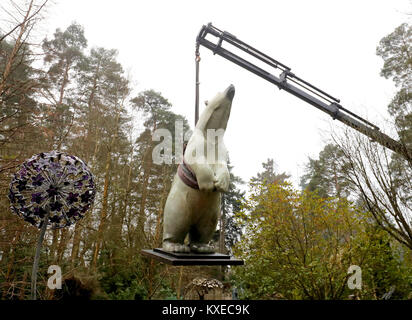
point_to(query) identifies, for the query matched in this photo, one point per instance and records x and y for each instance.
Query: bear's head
(217, 111)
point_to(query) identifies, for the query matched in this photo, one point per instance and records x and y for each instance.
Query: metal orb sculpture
(51, 188)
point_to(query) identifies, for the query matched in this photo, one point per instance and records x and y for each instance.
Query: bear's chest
(201, 201)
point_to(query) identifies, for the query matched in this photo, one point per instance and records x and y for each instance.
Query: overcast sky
(331, 44)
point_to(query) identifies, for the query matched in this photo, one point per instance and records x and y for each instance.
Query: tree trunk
(157, 240)
(16, 48)
(53, 249)
(90, 113)
(147, 168)
(103, 213)
(62, 244)
(76, 244)
(105, 195)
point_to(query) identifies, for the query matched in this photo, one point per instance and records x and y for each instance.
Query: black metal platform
(191, 259)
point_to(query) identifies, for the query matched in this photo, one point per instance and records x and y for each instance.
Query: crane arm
(298, 87)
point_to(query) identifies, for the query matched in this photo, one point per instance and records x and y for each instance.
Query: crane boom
(300, 88)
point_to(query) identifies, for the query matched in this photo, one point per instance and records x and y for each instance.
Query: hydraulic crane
(291, 83)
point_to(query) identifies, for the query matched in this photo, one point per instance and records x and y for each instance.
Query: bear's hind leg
(175, 227)
(173, 240)
(175, 247)
(199, 239)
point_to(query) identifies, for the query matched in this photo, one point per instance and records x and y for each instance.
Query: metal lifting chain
(197, 59)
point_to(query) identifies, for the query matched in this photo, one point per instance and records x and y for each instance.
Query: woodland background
(353, 206)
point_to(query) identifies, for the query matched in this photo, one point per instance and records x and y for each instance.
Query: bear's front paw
(206, 186)
(222, 183)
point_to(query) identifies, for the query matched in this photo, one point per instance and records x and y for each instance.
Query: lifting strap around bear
(187, 175)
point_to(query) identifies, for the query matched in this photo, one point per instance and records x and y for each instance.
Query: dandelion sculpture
(51, 188)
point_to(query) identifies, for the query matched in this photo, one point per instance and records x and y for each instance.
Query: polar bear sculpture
(193, 203)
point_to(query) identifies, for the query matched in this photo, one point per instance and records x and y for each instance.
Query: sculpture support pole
(33, 293)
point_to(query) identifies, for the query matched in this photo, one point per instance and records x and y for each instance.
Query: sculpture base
(191, 259)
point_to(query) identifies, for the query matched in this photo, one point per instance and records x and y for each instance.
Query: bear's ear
(206, 102)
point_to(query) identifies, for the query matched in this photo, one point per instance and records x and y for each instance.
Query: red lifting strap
(187, 175)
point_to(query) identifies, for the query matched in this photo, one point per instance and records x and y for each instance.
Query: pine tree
(327, 174)
(231, 202)
(62, 55)
(269, 174)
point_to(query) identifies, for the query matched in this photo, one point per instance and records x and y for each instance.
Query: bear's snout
(230, 92)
